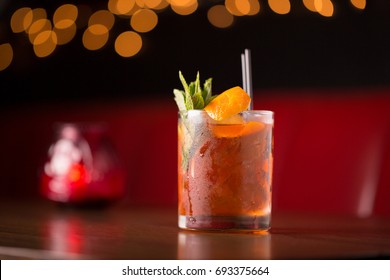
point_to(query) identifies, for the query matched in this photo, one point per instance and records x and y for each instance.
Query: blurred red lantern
(82, 167)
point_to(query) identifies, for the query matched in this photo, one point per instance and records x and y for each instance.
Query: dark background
(295, 51)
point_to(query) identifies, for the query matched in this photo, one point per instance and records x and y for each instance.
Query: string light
(124, 6)
(65, 35)
(360, 4)
(254, 7)
(128, 44)
(37, 27)
(46, 35)
(45, 43)
(35, 15)
(220, 17)
(144, 20)
(324, 7)
(156, 4)
(95, 37)
(65, 16)
(309, 4)
(184, 7)
(242, 7)
(6, 56)
(103, 17)
(281, 7)
(21, 19)
(232, 7)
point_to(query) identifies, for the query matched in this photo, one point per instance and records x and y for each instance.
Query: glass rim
(259, 112)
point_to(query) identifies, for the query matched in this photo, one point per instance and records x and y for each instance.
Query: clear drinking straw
(243, 71)
(247, 75)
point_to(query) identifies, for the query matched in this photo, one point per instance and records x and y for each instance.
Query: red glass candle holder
(82, 167)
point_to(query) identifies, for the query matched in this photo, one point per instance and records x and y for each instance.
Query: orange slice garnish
(227, 130)
(236, 130)
(228, 103)
(252, 127)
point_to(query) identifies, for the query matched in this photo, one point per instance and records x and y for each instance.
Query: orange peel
(228, 103)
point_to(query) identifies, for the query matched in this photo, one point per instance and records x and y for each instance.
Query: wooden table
(41, 230)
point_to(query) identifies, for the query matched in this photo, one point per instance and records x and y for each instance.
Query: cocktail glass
(225, 171)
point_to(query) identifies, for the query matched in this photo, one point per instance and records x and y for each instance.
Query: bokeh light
(184, 7)
(152, 4)
(112, 7)
(98, 29)
(243, 6)
(6, 56)
(45, 43)
(45, 35)
(309, 4)
(35, 15)
(103, 17)
(156, 4)
(64, 21)
(324, 7)
(95, 37)
(65, 16)
(219, 16)
(21, 19)
(254, 7)
(140, 3)
(144, 20)
(124, 6)
(182, 3)
(65, 35)
(128, 44)
(38, 26)
(281, 7)
(232, 7)
(360, 4)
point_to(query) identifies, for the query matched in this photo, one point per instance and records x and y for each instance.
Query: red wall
(332, 149)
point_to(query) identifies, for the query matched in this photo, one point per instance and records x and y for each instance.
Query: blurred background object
(82, 167)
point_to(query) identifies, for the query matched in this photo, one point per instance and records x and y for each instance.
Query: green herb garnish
(193, 96)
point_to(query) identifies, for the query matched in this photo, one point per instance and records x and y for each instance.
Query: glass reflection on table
(210, 245)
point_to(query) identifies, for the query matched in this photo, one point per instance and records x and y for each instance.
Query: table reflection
(71, 234)
(207, 245)
(64, 234)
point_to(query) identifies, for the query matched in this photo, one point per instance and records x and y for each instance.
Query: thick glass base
(225, 223)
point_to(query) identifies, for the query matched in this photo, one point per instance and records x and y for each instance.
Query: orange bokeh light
(6, 56)
(144, 20)
(220, 17)
(95, 37)
(21, 19)
(281, 7)
(128, 44)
